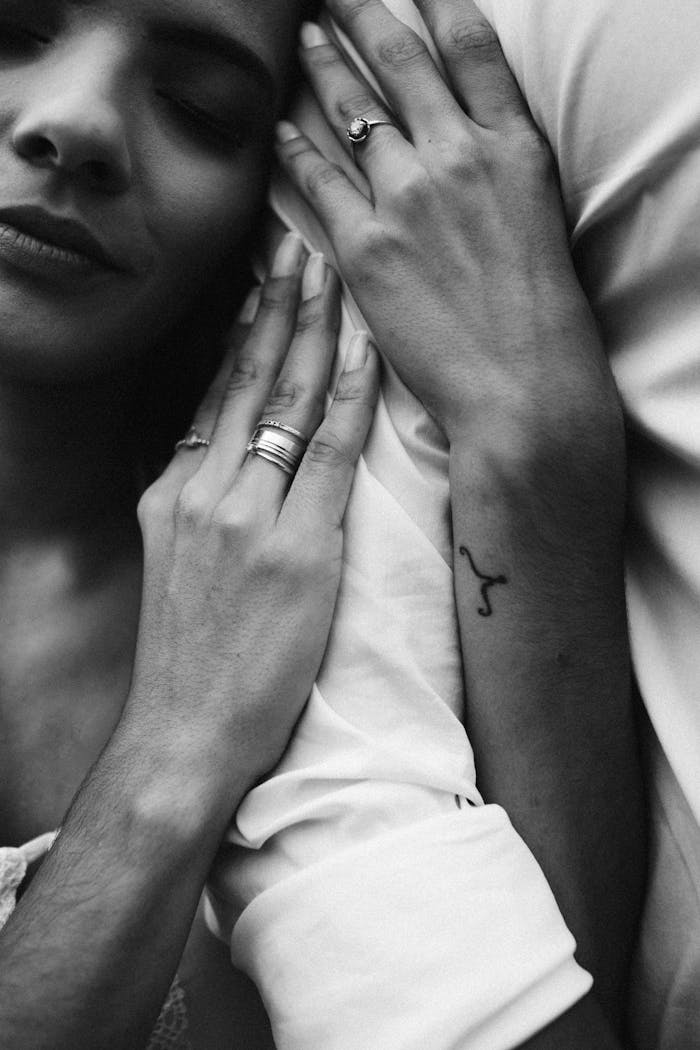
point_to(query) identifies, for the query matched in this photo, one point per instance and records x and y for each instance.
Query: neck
(67, 462)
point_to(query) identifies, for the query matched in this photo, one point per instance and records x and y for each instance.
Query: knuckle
(290, 393)
(286, 393)
(279, 293)
(192, 507)
(152, 508)
(373, 249)
(272, 560)
(296, 149)
(244, 374)
(474, 38)
(459, 155)
(230, 519)
(476, 158)
(400, 49)
(327, 450)
(324, 56)
(533, 147)
(358, 103)
(411, 189)
(311, 314)
(354, 9)
(352, 388)
(322, 177)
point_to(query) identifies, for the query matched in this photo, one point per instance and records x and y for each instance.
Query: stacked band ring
(279, 444)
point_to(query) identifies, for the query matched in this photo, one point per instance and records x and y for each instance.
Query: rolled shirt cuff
(442, 934)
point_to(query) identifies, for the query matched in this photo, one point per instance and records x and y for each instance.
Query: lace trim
(171, 1026)
(170, 1032)
(13, 868)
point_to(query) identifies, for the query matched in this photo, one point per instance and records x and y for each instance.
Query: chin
(55, 347)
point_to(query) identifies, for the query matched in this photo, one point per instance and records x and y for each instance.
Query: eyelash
(21, 38)
(204, 123)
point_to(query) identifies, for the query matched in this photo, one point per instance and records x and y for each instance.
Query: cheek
(203, 212)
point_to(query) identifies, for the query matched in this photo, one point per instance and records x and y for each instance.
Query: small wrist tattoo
(487, 582)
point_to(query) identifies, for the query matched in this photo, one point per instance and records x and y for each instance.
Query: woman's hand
(241, 570)
(242, 563)
(457, 254)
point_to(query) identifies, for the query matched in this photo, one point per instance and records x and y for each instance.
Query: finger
(187, 460)
(321, 488)
(205, 417)
(401, 63)
(240, 329)
(472, 54)
(344, 97)
(243, 382)
(338, 204)
(298, 397)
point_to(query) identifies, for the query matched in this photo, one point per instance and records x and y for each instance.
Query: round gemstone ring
(359, 128)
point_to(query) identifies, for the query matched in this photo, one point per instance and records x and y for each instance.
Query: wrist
(531, 475)
(170, 787)
(557, 436)
(525, 440)
(543, 378)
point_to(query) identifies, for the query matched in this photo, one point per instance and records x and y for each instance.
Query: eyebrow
(220, 45)
(212, 42)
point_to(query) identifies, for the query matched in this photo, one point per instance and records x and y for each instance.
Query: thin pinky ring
(192, 439)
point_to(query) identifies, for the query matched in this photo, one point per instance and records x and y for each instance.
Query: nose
(74, 123)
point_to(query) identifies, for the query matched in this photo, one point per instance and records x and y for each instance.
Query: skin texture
(455, 249)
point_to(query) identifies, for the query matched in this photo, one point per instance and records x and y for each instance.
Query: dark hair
(311, 8)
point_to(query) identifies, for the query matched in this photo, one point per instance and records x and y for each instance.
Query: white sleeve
(441, 934)
(365, 887)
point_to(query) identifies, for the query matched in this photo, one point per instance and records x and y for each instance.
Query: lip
(50, 244)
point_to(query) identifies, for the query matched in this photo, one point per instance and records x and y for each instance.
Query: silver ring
(359, 128)
(283, 426)
(192, 439)
(278, 443)
(271, 457)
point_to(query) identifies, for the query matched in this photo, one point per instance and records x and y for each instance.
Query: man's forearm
(89, 954)
(583, 1027)
(539, 585)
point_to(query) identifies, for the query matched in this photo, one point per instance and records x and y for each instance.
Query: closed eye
(16, 39)
(206, 123)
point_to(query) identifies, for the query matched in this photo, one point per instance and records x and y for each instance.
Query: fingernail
(314, 276)
(288, 256)
(357, 352)
(249, 309)
(286, 131)
(311, 35)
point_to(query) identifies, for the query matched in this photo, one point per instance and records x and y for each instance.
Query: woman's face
(133, 139)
